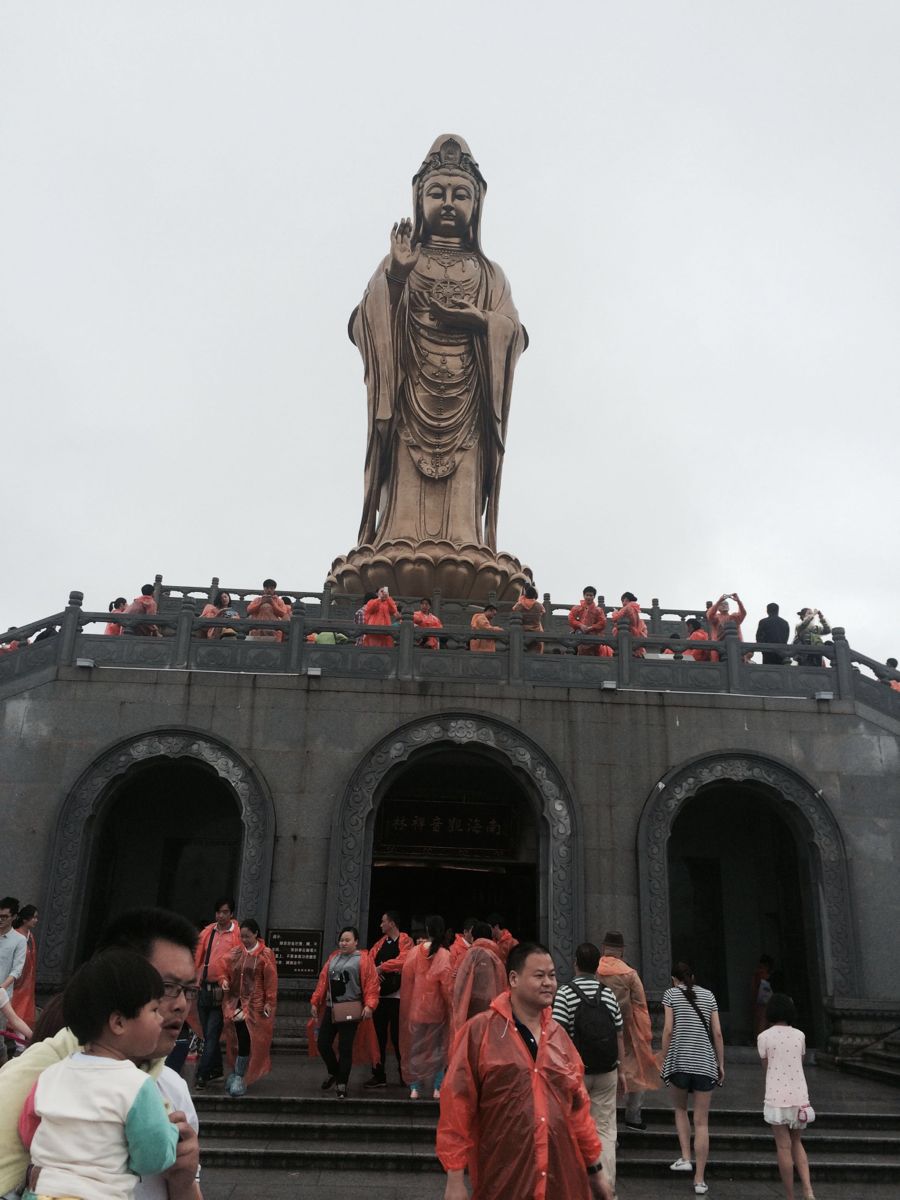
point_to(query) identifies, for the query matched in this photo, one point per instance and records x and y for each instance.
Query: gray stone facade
(605, 774)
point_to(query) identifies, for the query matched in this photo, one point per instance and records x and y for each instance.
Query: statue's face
(448, 202)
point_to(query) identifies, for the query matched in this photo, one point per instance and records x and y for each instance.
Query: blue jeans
(211, 1022)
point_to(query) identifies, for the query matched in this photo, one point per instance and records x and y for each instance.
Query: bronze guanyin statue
(439, 337)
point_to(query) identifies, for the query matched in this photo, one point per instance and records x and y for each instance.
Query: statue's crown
(450, 154)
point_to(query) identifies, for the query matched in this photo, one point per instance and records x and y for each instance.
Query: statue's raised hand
(404, 255)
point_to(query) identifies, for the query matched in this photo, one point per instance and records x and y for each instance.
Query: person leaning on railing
(481, 623)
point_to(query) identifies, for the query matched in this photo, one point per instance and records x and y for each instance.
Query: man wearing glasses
(168, 942)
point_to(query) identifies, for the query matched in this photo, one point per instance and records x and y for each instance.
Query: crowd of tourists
(96, 1104)
(594, 630)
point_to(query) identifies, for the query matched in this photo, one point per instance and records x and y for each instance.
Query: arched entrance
(168, 818)
(740, 856)
(514, 839)
(169, 834)
(456, 834)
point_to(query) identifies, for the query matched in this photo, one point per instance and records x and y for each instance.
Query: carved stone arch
(560, 863)
(812, 821)
(71, 855)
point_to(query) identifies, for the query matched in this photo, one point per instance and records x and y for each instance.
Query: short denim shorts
(688, 1082)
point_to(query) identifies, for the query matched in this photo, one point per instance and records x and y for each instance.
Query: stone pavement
(292, 1075)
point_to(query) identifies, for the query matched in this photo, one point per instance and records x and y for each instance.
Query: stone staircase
(879, 1062)
(397, 1135)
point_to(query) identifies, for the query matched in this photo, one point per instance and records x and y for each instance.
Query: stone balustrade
(184, 644)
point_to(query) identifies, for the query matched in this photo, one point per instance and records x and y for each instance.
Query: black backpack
(594, 1035)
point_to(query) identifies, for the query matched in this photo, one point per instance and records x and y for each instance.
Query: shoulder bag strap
(212, 934)
(693, 1005)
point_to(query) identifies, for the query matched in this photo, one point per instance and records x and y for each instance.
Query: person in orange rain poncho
(532, 613)
(115, 606)
(480, 979)
(142, 606)
(590, 618)
(426, 996)
(697, 634)
(251, 993)
(23, 995)
(631, 609)
(504, 939)
(348, 977)
(514, 1109)
(268, 607)
(424, 618)
(640, 1064)
(462, 943)
(718, 615)
(380, 611)
(481, 623)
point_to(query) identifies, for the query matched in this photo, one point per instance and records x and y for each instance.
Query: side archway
(814, 826)
(560, 873)
(73, 843)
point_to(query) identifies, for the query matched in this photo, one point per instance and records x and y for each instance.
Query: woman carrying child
(781, 1048)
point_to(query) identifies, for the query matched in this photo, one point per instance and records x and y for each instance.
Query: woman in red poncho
(532, 616)
(480, 978)
(426, 996)
(23, 995)
(348, 977)
(380, 611)
(631, 609)
(251, 993)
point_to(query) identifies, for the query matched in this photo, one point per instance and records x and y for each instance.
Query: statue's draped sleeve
(374, 330)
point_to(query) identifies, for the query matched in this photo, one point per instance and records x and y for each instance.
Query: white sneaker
(682, 1164)
(700, 1189)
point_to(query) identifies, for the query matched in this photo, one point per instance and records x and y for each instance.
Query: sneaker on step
(413, 1093)
(700, 1189)
(682, 1164)
(638, 1124)
(377, 1081)
(436, 1095)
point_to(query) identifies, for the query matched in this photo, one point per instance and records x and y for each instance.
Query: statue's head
(448, 190)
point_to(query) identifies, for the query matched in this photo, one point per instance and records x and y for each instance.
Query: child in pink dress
(782, 1047)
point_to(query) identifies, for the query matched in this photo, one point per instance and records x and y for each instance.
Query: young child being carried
(94, 1122)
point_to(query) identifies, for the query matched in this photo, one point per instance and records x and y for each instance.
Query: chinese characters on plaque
(445, 829)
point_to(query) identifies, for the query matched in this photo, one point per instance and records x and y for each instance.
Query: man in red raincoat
(515, 1059)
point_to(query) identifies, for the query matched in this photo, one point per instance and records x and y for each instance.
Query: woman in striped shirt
(693, 1061)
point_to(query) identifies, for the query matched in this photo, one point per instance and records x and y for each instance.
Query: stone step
(871, 1070)
(262, 1130)
(401, 1156)
(382, 1109)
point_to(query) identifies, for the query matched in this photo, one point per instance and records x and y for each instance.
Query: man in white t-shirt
(168, 942)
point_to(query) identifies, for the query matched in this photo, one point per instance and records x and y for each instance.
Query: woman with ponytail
(426, 1004)
(693, 1061)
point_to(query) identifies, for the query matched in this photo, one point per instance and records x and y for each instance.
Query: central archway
(557, 854)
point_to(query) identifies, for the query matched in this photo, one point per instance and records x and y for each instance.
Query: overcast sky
(696, 205)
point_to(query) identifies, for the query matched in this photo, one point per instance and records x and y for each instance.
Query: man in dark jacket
(773, 629)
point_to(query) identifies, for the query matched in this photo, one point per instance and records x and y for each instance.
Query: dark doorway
(170, 835)
(456, 834)
(739, 888)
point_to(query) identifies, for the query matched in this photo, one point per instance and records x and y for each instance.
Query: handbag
(346, 1010)
(806, 1114)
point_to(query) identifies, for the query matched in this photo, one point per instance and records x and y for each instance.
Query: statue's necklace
(447, 256)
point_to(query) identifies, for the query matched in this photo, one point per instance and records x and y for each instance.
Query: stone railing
(183, 644)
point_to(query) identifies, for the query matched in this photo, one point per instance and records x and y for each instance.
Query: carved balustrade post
(157, 590)
(183, 631)
(297, 637)
(213, 590)
(624, 649)
(843, 668)
(732, 646)
(71, 624)
(655, 616)
(516, 648)
(407, 632)
(436, 602)
(326, 602)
